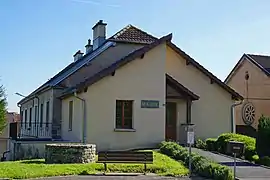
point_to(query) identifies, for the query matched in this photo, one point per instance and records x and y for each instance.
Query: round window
(248, 113)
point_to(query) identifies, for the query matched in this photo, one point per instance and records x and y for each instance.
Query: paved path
(140, 177)
(244, 170)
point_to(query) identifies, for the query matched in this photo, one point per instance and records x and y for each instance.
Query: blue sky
(39, 38)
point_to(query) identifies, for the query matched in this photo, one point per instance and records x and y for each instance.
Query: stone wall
(70, 153)
(20, 150)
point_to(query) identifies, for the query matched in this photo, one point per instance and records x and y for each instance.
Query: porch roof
(180, 88)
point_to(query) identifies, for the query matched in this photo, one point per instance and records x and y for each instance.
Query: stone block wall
(70, 153)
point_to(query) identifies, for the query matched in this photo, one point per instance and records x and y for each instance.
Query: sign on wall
(149, 104)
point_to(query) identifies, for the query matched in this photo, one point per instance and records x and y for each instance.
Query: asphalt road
(244, 171)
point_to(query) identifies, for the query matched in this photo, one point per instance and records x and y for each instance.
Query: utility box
(234, 147)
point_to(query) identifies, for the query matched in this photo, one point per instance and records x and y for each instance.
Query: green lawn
(163, 165)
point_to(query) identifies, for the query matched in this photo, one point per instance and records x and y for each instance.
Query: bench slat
(126, 162)
(125, 157)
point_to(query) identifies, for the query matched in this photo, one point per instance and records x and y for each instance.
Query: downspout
(84, 117)
(233, 127)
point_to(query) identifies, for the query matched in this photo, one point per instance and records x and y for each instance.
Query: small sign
(149, 104)
(190, 137)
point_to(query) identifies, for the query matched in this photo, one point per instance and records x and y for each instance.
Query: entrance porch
(178, 109)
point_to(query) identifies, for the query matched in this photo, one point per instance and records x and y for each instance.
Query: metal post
(234, 168)
(189, 161)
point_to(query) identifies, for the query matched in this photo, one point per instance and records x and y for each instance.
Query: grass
(163, 165)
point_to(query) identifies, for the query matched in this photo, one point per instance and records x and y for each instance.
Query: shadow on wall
(246, 130)
(28, 151)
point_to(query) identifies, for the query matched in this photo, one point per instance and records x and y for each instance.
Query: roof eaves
(59, 77)
(131, 56)
(174, 82)
(257, 64)
(234, 69)
(234, 94)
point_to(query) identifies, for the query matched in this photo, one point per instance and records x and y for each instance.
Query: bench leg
(105, 168)
(145, 169)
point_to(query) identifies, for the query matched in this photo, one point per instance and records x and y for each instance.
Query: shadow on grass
(33, 162)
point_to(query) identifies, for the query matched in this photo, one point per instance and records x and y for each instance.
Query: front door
(171, 114)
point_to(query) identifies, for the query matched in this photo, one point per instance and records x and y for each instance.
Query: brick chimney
(78, 55)
(88, 47)
(99, 34)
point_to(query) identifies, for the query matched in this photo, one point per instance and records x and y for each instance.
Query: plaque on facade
(149, 104)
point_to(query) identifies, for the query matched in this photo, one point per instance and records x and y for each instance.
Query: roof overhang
(180, 88)
(212, 77)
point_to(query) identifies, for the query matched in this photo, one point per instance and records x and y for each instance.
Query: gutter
(84, 117)
(233, 124)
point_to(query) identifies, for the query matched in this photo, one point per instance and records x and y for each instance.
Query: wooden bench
(135, 157)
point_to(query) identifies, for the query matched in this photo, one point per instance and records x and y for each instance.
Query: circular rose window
(248, 113)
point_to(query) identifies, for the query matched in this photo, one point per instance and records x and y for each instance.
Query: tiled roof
(133, 34)
(262, 60)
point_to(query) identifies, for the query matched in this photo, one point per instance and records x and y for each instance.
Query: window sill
(124, 130)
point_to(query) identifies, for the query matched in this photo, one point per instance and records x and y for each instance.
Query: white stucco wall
(141, 79)
(44, 97)
(211, 113)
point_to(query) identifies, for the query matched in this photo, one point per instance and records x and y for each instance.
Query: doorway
(171, 116)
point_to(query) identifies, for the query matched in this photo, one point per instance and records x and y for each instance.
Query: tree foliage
(262, 142)
(3, 108)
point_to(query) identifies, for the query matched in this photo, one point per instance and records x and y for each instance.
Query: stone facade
(70, 153)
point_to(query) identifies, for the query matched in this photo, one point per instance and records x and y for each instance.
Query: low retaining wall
(70, 153)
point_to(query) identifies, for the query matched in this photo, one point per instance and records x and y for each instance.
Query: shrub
(265, 161)
(211, 144)
(255, 158)
(250, 148)
(200, 165)
(200, 144)
(263, 136)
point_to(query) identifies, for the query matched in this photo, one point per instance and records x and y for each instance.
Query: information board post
(190, 141)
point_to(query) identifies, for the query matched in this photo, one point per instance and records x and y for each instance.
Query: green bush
(263, 136)
(265, 161)
(250, 143)
(200, 165)
(255, 158)
(211, 144)
(200, 144)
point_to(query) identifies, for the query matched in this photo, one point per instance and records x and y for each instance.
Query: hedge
(211, 144)
(263, 136)
(250, 144)
(200, 165)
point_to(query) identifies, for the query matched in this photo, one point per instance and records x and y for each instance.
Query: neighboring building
(250, 77)
(4, 136)
(131, 90)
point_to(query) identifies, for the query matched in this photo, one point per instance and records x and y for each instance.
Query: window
(36, 115)
(124, 114)
(21, 118)
(47, 113)
(30, 117)
(25, 118)
(41, 115)
(70, 115)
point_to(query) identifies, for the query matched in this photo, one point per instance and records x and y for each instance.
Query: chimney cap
(88, 43)
(78, 52)
(100, 22)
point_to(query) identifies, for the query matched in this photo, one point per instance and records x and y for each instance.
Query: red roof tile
(133, 34)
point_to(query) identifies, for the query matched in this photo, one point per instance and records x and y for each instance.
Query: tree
(263, 136)
(3, 108)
